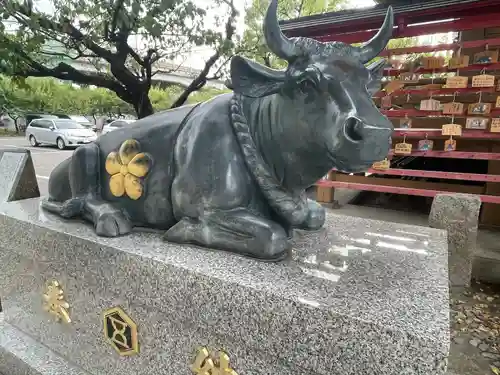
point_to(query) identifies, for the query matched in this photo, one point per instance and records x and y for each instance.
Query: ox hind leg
(82, 175)
(236, 230)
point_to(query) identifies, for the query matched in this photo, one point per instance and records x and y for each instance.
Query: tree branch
(201, 79)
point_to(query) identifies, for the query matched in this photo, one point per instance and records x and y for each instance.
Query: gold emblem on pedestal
(54, 302)
(205, 364)
(121, 331)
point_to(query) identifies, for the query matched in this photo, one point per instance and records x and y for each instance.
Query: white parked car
(117, 124)
(82, 120)
(60, 132)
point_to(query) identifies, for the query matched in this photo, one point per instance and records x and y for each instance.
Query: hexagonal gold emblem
(120, 331)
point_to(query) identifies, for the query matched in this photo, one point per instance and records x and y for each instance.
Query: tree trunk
(142, 105)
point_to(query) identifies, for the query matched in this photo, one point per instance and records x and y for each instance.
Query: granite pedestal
(358, 297)
(458, 214)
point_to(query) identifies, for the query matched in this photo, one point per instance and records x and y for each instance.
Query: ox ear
(255, 80)
(376, 73)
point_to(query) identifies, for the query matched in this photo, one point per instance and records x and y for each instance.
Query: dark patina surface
(230, 173)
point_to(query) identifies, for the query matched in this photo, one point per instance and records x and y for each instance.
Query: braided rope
(292, 209)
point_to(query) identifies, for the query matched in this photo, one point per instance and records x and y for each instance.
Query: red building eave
(359, 25)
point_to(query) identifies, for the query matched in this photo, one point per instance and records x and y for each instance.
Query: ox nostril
(353, 129)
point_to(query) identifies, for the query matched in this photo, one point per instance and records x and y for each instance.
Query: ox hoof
(72, 207)
(112, 224)
(276, 248)
(315, 217)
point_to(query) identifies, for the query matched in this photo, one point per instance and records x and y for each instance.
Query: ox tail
(292, 208)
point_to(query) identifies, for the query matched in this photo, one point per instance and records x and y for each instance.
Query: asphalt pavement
(45, 158)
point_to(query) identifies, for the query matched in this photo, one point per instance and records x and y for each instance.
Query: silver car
(60, 132)
(117, 124)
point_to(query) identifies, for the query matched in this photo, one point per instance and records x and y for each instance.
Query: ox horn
(375, 45)
(279, 44)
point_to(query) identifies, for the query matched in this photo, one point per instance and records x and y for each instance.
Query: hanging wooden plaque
(459, 62)
(434, 62)
(479, 109)
(450, 145)
(409, 78)
(381, 165)
(402, 148)
(477, 123)
(457, 82)
(451, 129)
(431, 86)
(425, 145)
(486, 57)
(430, 105)
(386, 102)
(497, 104)
(393, 86)
(483, 80)
(405, 123)
(453, 108)
(495, 125)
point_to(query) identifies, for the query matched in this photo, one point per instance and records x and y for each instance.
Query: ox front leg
(315, 216)
(237, 230)
(85, 201)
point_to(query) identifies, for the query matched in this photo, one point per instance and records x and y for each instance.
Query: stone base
(20, 354)
(359, 296)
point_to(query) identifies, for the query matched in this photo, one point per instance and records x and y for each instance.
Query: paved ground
(45, 158)
(475, 329)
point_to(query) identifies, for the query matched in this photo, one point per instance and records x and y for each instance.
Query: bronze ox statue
(230, 173)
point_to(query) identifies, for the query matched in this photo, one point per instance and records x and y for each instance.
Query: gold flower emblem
(127, 167)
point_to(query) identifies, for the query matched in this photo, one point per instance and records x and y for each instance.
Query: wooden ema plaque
(495, 125)
(459, 62)
(409, 77)
(453, 108)
(477, 123)
(402, 148)
(486, 57)
(497, 104)
(381, 165)
(483, 80)
(393, 86)
(430, 105)
(479, 109)
(386, 102)
(457, 82)
(425, 145)
(450, 145)
(405, 123)
(451, 129)
(433, 62)
(431, 86)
